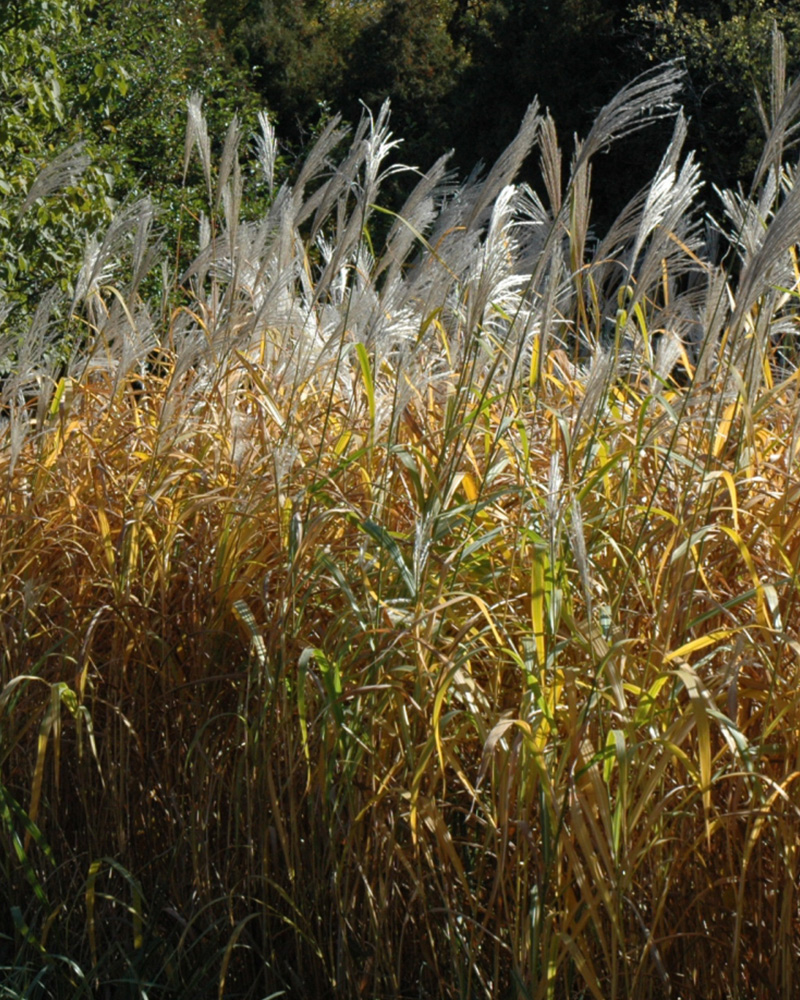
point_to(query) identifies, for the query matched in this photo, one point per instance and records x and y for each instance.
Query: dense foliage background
(93, 98)
(459, 73)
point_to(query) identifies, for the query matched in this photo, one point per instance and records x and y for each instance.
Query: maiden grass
(416, 621)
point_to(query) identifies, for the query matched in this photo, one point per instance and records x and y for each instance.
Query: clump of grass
(413, 620)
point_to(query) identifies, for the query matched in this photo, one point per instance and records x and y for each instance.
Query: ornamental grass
(406, 605)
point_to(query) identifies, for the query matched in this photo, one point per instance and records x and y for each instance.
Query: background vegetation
(394, 603)
(460, 72)
(110, 82)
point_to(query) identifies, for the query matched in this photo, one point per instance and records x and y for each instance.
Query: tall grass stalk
(414, 618)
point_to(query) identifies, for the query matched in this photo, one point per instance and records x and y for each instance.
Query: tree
(313, 57)
(163, 50)
(295, 49)
(569, 55)
(726, 45)
(42, 222)
(94, 104)
(407, 54)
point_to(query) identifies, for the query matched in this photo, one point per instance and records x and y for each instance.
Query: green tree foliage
(295, 49)
(93, 96)
(114, 78)
(312, 57)
(50, 195)
(164, 51)
(460, 73)
(566, 53)
(726, 45)
(418, 70)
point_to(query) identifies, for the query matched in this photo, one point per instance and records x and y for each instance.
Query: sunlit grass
(404, 628)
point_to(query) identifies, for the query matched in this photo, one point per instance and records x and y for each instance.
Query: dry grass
(403, 629)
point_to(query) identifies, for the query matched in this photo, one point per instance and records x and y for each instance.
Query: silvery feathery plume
(284, 459)
(125, 336)
(67, 168)
(279, 274)
(229, 155)
(34, 363)
(577, 537)
(781, 125)
(494, 290)
(363, 297)
(555, 302)
(617, 253)
(598, 381)
(378, 144)
(677, 326)
(266, 145)
(607, 257)
(91, 273)
(547, 291)
(204, 231)
(9, 343)
(450, 224)
(661, 193)
(747, 216)
(673, 240)
(660, 234)
(232, 205)
(190, 345)
(326, 248)
(416, 371)
(532, 222)
(649, 97)
(34, 371)
(457, 254)
(506, 166)
(414, 219)
(554, 501)
(6, 309)
(492, 276)
(340, 176)
(579, 206)
(704, 345)
(197, 134)
(550, 162)
(41, 336)
(781, 234)
(374, 147)
(393, 322)
(315, 161)
(17, 426)
(668, 354)
(145, 252)
(100, 256)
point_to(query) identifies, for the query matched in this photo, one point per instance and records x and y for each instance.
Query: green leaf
(384, 539)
